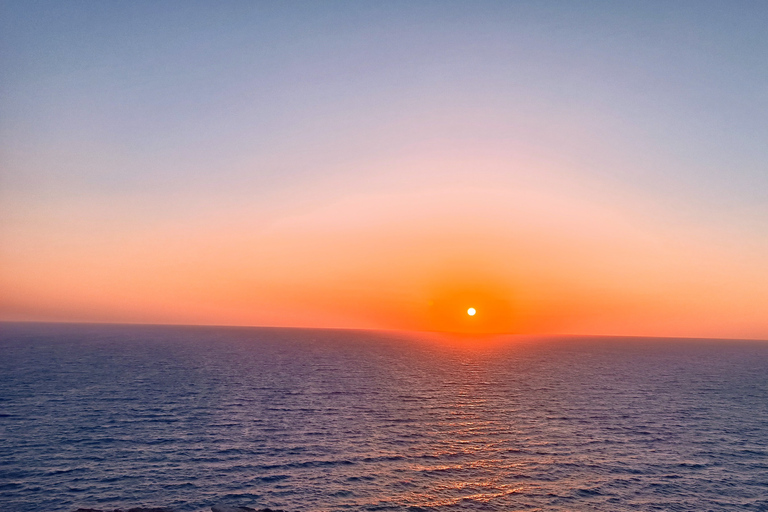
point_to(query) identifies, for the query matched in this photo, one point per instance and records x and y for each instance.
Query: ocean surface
(324, 420)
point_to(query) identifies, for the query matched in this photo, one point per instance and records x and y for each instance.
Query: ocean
(113, 416)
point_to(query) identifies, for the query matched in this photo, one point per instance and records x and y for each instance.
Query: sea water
(324, 420)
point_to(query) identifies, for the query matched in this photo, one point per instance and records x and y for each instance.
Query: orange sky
(530, 261)
(562, 168)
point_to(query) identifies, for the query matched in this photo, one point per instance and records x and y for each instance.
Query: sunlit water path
(317, 420)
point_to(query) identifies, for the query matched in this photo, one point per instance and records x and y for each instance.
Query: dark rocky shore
(215, 508)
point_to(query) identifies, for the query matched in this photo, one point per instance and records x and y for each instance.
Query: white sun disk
(471, 311)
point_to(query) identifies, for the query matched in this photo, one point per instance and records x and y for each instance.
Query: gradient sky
(564, 167)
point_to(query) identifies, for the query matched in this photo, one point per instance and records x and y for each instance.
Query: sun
(471, 311)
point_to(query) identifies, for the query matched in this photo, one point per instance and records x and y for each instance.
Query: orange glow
(447, 310)
(527, 263)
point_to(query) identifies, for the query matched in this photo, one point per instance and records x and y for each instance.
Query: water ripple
(115, 417)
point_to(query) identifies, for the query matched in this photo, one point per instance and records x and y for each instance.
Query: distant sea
(331, 420)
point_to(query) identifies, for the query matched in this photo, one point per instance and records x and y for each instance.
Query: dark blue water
(313, 420)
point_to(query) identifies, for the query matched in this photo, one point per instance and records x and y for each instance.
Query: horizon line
(382, 330)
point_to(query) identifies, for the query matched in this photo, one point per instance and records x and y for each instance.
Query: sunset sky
(563, 167)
